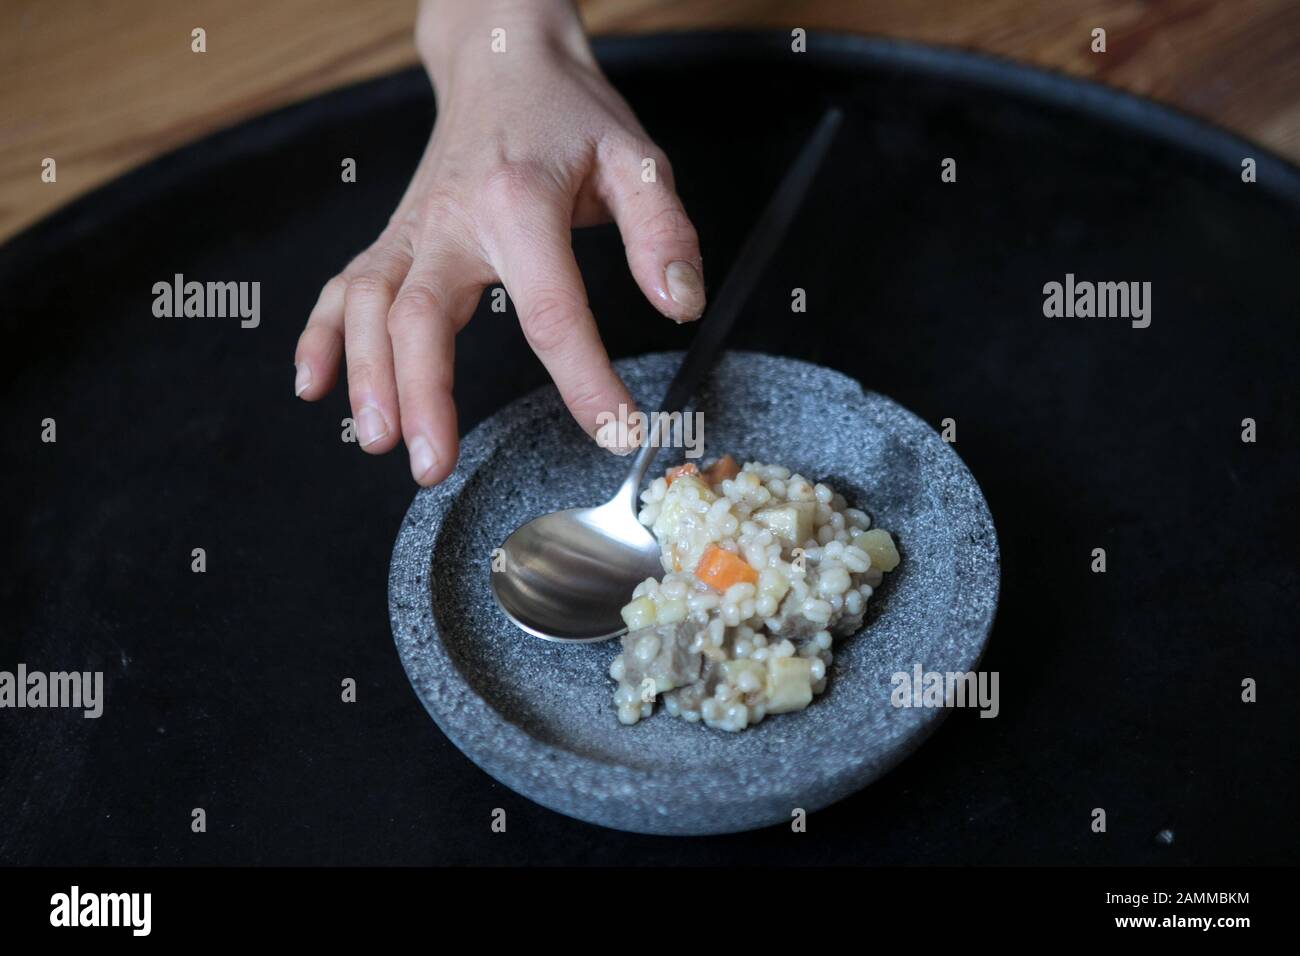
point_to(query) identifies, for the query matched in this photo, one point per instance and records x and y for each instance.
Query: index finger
(541, 275)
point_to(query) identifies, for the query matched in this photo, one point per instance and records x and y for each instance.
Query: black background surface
(1119, 691)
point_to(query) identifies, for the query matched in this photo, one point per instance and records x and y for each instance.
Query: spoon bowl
(566, 575)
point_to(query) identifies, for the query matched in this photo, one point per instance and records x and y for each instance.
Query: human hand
(529, 143)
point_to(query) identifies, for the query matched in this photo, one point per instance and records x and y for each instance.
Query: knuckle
(666, 174)
(440, 210)
(659, 156)
(336, 286)
(663, 168)
(509, 185)
(586, 395)
(361, 375)
(636, 145)
(440, 203)
(667, 224)
(403, 222)
(368, 286)
(414, 304)
(549, 320)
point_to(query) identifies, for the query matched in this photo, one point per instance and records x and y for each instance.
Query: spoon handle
(740, 281)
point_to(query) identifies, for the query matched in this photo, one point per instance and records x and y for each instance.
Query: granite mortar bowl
(540, 718)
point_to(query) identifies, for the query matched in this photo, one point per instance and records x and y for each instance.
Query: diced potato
(791, 522)
(879, 547)
(639, 613)
(789, 684)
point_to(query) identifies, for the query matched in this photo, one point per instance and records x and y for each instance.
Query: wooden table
(102, 87)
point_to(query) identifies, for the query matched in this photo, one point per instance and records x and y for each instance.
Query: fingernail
(302, 380)
(371, 425)
(423, 458)
(686, 287)
(607, 438)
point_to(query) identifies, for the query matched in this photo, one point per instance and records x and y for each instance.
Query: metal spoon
(567, 575)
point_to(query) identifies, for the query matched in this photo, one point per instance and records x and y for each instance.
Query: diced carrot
(672, 474)
(720, 569)
(722, 469)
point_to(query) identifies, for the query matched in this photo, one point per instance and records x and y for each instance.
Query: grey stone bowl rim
(530, 766)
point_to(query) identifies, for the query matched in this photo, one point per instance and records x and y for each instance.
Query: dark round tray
(1119, 690)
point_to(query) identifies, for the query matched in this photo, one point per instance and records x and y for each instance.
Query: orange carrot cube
(720, 569)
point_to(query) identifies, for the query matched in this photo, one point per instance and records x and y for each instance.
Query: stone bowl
(539, 717)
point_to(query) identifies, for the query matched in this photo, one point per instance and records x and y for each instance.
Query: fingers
(663, 250)
(372, 389)
(422, 325)
(320, 346)
(395, 322)
(541, 276)
(398, 318)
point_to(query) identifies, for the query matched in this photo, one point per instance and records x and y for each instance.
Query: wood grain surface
(103, 86)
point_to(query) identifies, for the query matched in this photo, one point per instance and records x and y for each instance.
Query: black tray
(1119, 690)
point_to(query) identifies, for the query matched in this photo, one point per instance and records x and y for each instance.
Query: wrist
(459, 37)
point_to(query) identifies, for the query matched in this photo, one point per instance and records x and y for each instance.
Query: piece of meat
(674, 664)
(693, 696)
